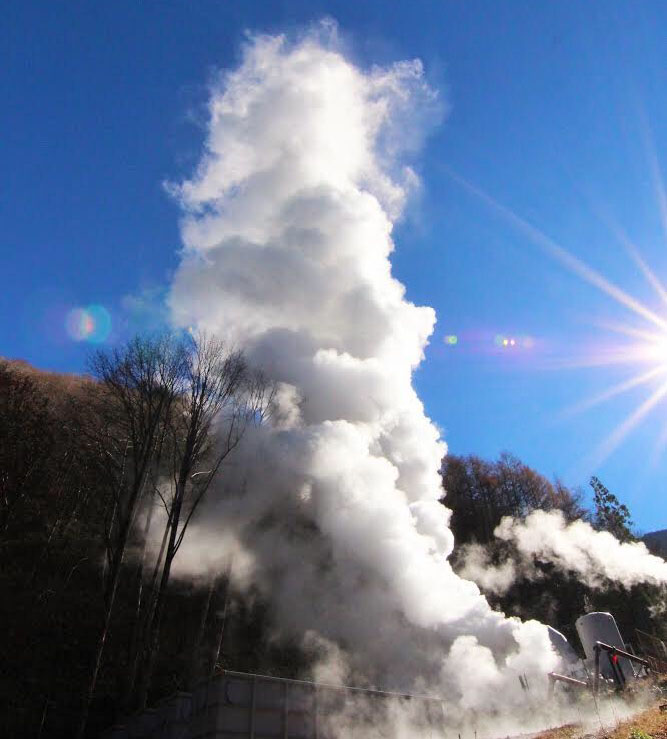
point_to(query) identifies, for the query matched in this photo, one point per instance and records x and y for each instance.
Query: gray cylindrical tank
(562, 646)
(599, 626)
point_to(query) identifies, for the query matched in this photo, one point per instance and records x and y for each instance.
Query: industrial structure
(609, 661)
(235, 705)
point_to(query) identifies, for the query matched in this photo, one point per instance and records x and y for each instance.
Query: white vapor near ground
(287, 230)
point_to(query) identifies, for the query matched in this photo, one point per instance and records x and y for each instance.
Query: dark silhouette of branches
(126, 431)
(219, 396)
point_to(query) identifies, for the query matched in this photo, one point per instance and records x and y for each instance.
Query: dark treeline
(92, 469)
(480, 493)
(100, 477)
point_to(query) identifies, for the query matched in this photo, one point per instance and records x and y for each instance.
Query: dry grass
(648, 724)
(569, 731)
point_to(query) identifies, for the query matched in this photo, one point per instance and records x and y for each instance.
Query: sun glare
(647, 345)
(657, 352)
(648, 352)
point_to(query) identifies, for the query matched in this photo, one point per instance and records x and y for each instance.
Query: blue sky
(557, 113)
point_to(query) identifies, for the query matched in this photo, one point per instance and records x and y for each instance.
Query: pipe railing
(613, 653)
(555, 677)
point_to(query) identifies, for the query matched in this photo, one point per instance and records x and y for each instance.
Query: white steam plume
(596, 557)
(475, 563)
(287, 233)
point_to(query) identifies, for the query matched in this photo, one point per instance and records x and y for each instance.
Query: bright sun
(645, 348)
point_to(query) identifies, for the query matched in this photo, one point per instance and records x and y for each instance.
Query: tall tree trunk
(146, 616)
(109, 599)
(135, 639)
(220, 630)
(154, 621)
(194, 669)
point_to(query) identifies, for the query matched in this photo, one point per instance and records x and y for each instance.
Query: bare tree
(480, 493)
(220, 396)
(126, 429)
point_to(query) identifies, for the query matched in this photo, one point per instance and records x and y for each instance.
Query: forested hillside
(656, 541)
(482, 493)
(66, 468)
(89, 608)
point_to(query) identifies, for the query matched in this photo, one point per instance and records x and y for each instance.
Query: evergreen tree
(610, 514)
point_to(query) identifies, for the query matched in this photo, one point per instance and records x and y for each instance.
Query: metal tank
(601, 627)
(571, 665)
(562, 647)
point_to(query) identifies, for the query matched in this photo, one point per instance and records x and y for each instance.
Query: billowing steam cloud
(334, 503)
(596, 557)
(476, 564)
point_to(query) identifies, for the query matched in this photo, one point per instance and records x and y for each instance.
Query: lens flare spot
(79, 324)
(451, 340)
(518, 342)
(92, 324)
